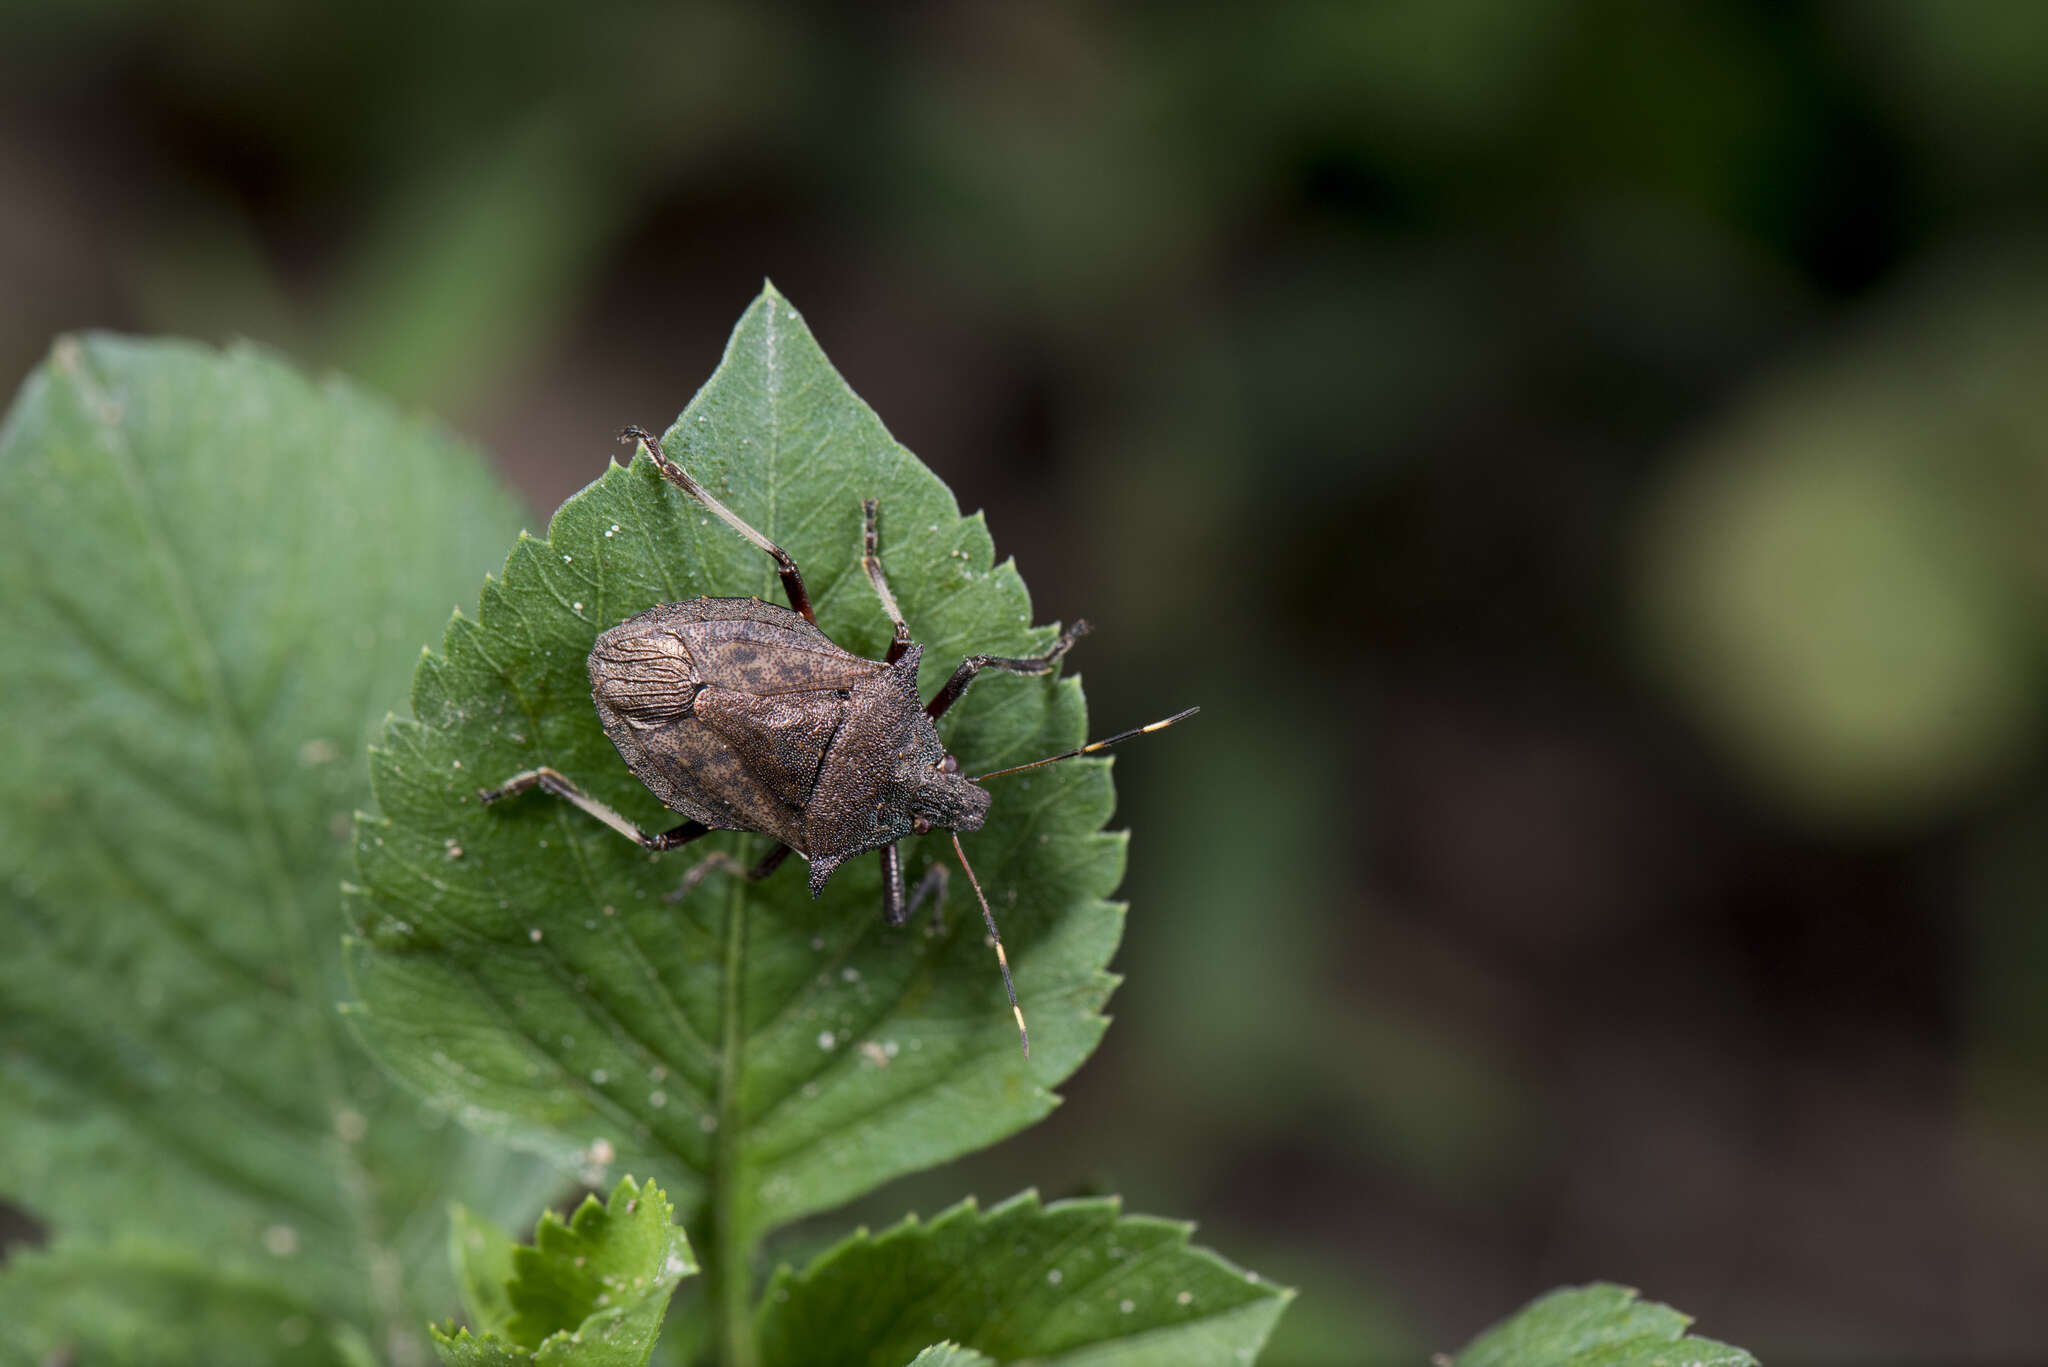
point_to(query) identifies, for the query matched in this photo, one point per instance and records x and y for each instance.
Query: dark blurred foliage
(1587, 458)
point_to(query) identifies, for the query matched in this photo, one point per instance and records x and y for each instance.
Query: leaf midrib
(734, 1235)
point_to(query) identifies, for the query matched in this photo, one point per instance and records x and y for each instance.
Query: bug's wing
(642, 673)
(781, 738)
(724, 708)
(647, 675)
(766, 659)
(697, 772)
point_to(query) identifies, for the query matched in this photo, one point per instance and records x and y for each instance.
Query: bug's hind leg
(719, 859)
(792, 578)
(974, 664)
(871, 561)
(552, 781)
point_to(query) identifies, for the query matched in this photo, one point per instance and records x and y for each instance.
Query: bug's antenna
(1091, 747)
(1002, 959)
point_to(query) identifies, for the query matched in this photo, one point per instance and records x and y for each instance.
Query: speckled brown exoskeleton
(744, 716)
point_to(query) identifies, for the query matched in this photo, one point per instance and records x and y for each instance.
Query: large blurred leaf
(1071, 1283)
(1601, 1325)
(766, 1055)
(213, 570)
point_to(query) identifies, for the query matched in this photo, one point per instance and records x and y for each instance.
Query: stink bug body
(744, 716)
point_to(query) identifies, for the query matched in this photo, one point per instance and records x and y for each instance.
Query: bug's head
(944, 798)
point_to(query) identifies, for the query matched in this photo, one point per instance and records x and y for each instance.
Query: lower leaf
(1601, 1325)
(1071, 1283)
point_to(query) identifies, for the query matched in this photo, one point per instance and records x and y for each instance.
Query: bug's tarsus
(1002, 959)
(974, 664)
(871, 561)
(1092, 746)
(555, 782)
(719, 859)
(792, 578)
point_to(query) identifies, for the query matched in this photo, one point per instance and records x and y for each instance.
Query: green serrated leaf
(951, 1355)
(589, 1292)
(213, 570)
(481, 1254)
(767, 1055)
(1071, 1283)
(1601, 1325)
(464, 1349)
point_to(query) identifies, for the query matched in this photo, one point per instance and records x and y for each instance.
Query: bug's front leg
(892, 887)
(895, 910)
(553, 781)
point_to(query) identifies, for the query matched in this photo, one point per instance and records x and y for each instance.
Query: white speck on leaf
(350, 1125)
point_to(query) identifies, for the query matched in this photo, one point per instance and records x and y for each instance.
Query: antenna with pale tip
(1091, 747)
(1002, 959)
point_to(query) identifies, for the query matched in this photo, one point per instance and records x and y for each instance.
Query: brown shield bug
(744, 716)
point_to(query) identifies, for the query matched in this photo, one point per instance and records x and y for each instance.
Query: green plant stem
(731, 1248)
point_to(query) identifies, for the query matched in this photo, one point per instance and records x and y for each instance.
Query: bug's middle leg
(895, 910)
(974, 664)
(792, 578)
(553, 781)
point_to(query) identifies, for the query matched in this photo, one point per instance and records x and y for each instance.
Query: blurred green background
(1589, 460)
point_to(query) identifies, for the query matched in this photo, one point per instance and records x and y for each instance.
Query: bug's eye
(949, 765)
(920, 827)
